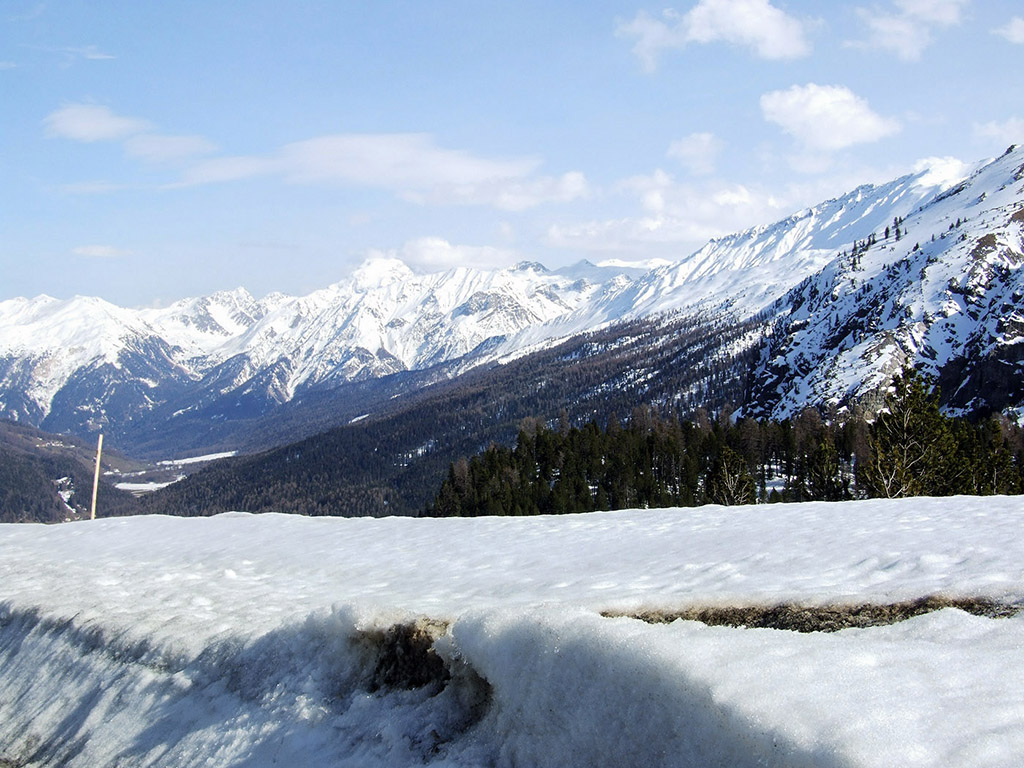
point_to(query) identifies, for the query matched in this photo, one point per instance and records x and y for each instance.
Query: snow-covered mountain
(79, 363)
(923, 268)
(944, 290)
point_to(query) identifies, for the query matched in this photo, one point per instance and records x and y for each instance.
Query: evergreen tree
(912, 449)
(729, 481)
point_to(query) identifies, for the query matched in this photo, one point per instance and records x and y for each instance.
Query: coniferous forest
(910, 449)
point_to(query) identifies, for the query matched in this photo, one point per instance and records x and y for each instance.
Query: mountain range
(820, 308)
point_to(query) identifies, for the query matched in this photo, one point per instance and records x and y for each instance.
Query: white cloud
(8, 65)
(653, 36)
(409, 164)
(403, 160)
(154, 148)
(91, 122)
(771, 33)
(90, 52)
(697, 152)
(900, 35)
(434, 254)
(1010, 131)
(509, 194)
(943, 171)
(906, 31)
(676, 218)
(944, 13)
(756, 24)
(825, 118)
(1013, 31)
(99, 252)
(222, 169)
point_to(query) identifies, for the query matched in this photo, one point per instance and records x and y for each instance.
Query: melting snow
(249, 640)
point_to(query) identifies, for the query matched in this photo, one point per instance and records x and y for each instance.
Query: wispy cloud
(91, 122)
(697, 152)
(675, 217)
(159, 149)
(94, 122)
(429, 254)
(100, 252)
(70, 54)
(409, 164)
(825, 118)
(1013, 31)
(755, 24)
(88, 52)
(8, 65)
(1010, 131)
(906, 29)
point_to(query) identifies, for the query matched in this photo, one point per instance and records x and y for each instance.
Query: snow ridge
(83, 362)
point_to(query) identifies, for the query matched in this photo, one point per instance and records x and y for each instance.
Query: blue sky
(151, 151)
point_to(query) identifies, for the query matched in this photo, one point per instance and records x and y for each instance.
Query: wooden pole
(96, 477)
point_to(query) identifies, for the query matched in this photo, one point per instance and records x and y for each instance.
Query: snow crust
(243, 640)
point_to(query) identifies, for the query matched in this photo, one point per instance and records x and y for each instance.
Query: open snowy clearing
(279, 640)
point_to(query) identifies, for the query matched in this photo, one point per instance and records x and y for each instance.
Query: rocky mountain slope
(923, 269)
(941, 288)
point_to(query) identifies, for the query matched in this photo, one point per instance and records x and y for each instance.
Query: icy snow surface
(248, 640)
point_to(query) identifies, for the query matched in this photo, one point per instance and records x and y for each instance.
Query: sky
(153, 151)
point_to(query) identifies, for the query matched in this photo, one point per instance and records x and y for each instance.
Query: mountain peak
(529, 266)
(379, 271)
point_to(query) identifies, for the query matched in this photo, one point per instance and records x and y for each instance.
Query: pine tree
(729, 481)
(912, 449)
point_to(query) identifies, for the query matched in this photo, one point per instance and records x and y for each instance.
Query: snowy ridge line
(74, 364)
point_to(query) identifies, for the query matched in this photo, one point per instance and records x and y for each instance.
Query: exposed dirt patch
(405, 655)
(829, 618)
(1019, 215)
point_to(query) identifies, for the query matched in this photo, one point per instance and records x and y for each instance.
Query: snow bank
(261, 640)
(574, 689)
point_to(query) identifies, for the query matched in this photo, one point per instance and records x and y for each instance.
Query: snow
(147, 487)
(945, 291)
(197, 459)
(250, 640)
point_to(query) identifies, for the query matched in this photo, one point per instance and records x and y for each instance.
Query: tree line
(910, 449)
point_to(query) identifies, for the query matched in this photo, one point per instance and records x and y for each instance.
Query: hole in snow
(405, 657)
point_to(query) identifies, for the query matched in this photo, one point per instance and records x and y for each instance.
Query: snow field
(259, 640)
